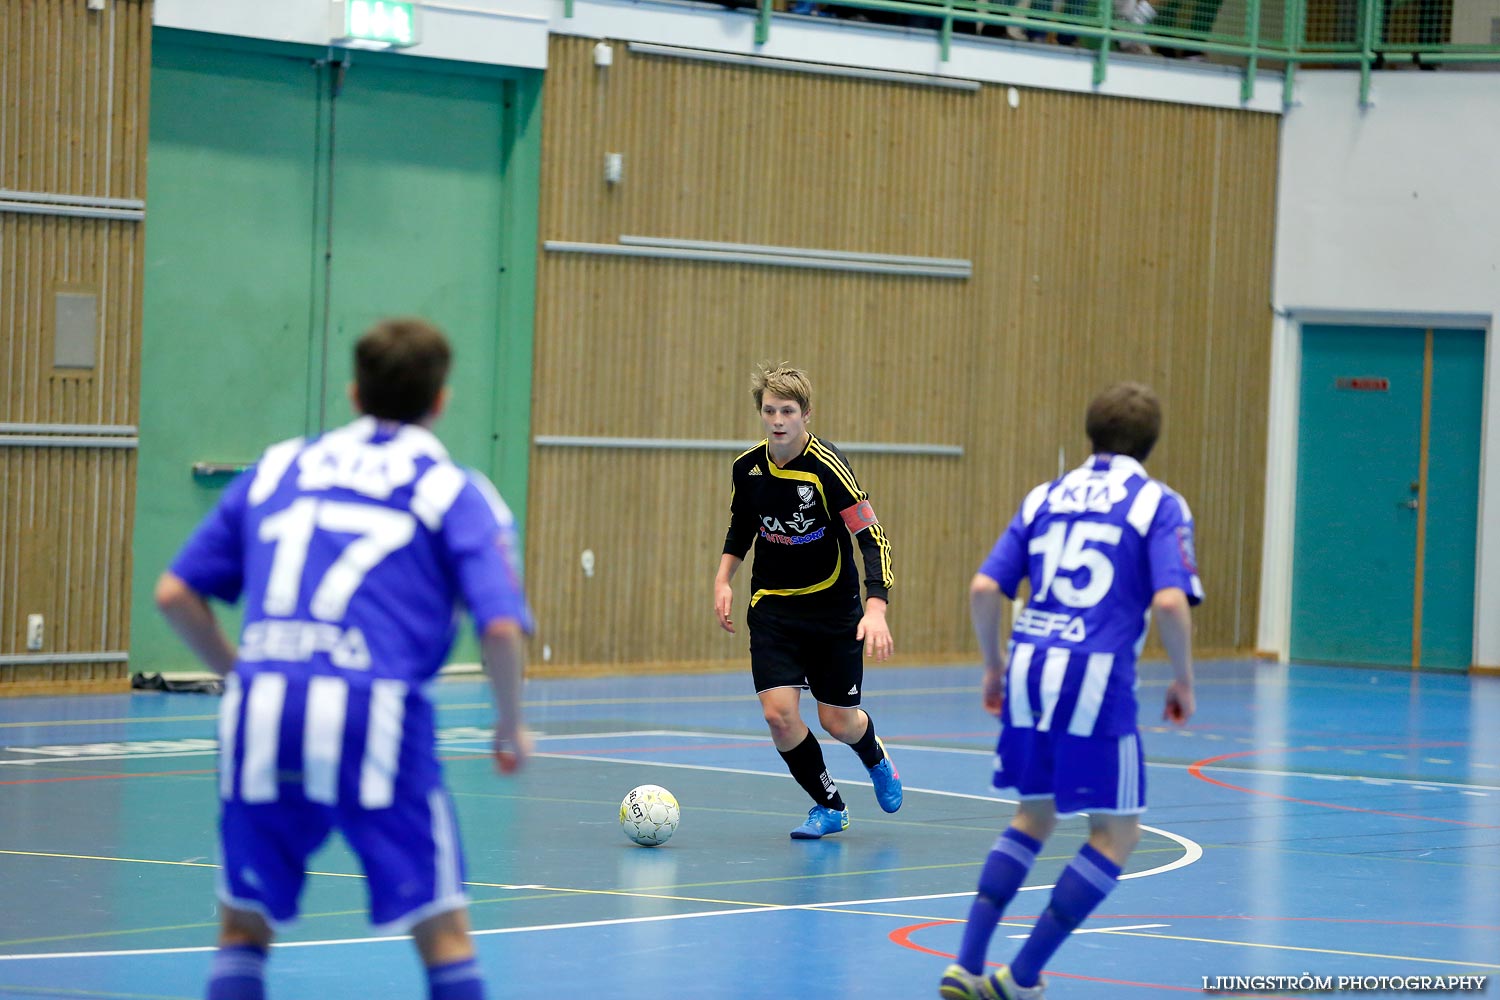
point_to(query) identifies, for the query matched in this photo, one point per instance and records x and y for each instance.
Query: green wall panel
(230, 289)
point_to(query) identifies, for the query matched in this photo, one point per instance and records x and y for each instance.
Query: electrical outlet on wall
(35, 631)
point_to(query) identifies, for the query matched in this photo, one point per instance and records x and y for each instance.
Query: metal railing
(1253, 34)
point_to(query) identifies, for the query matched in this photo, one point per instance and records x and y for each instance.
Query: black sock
(805, 761)
(870, 752)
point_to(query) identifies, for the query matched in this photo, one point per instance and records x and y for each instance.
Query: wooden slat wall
(73, 92)
(1111, 239)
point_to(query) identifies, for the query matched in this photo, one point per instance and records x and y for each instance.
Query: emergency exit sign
(375, 24)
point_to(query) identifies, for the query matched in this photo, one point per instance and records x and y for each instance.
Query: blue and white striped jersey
(1095, 545)
(352, 552)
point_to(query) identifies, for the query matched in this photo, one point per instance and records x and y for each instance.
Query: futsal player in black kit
(796, 499)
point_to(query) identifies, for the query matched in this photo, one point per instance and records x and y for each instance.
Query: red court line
(1196, 770)
(902, 936)
(1096, 917)
(1315, 920)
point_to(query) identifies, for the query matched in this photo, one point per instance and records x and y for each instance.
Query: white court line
(577, 925)
(110, 756)
(756, 737)
(1192, 853)
(1267, 772)
(1086, 930)
(456, 741)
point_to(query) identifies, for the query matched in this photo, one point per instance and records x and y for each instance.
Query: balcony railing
(1284, 35)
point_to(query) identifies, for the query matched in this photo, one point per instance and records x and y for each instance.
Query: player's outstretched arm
(505, 665)
(987, 612)
(1174, 620)
(723, 592)
(193, 620)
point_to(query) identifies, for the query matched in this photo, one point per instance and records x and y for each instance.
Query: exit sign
(375, 24)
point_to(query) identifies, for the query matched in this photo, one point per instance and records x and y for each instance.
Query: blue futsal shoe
(821, 821)
(887, 781)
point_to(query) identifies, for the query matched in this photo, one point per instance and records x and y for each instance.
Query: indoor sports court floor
(1331, 821)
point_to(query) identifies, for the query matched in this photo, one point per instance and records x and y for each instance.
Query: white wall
(1389, 213)
(494, 32)
(988, 60)
(514, 33)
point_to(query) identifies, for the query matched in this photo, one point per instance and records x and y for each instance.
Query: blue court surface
(1311, 820)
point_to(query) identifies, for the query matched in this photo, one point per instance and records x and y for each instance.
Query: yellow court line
(506, 885)
(634, 894)
(106, 722)
(562, 889)
(1292, 947)
(539, 892)
(46, 991)
(789, 878)
(883, 820)
(542, 889)
(148, 861)
(95, 857)
(122, 932)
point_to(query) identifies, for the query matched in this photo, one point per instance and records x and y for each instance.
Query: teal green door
(1452, 499)
(416, 168)
(1387, 496)
(292, 203)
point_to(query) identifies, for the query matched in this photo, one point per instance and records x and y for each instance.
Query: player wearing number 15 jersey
(351, 553)
(1102, 548)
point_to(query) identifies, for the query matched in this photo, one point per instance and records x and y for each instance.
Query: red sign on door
(1363, 384)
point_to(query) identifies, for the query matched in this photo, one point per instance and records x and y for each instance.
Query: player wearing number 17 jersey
(1102, 548)
(351, 552)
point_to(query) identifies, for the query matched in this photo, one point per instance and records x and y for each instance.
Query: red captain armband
(859, 517)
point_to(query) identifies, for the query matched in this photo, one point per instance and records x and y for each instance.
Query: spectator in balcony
(1195, 16)
(1414, 22)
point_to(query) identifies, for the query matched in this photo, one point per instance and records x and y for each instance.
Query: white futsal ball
(649, 815)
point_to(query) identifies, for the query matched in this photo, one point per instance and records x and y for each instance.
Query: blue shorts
(1093, 774)
(409, 851)
(302, 756)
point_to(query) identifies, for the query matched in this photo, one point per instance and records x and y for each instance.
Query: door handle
(1408, 504)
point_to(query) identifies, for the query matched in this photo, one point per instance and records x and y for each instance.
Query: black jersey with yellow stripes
(800, 518)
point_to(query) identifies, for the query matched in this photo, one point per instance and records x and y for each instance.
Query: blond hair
(780, 379)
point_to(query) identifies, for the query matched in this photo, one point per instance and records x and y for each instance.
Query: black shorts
(818, 654)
